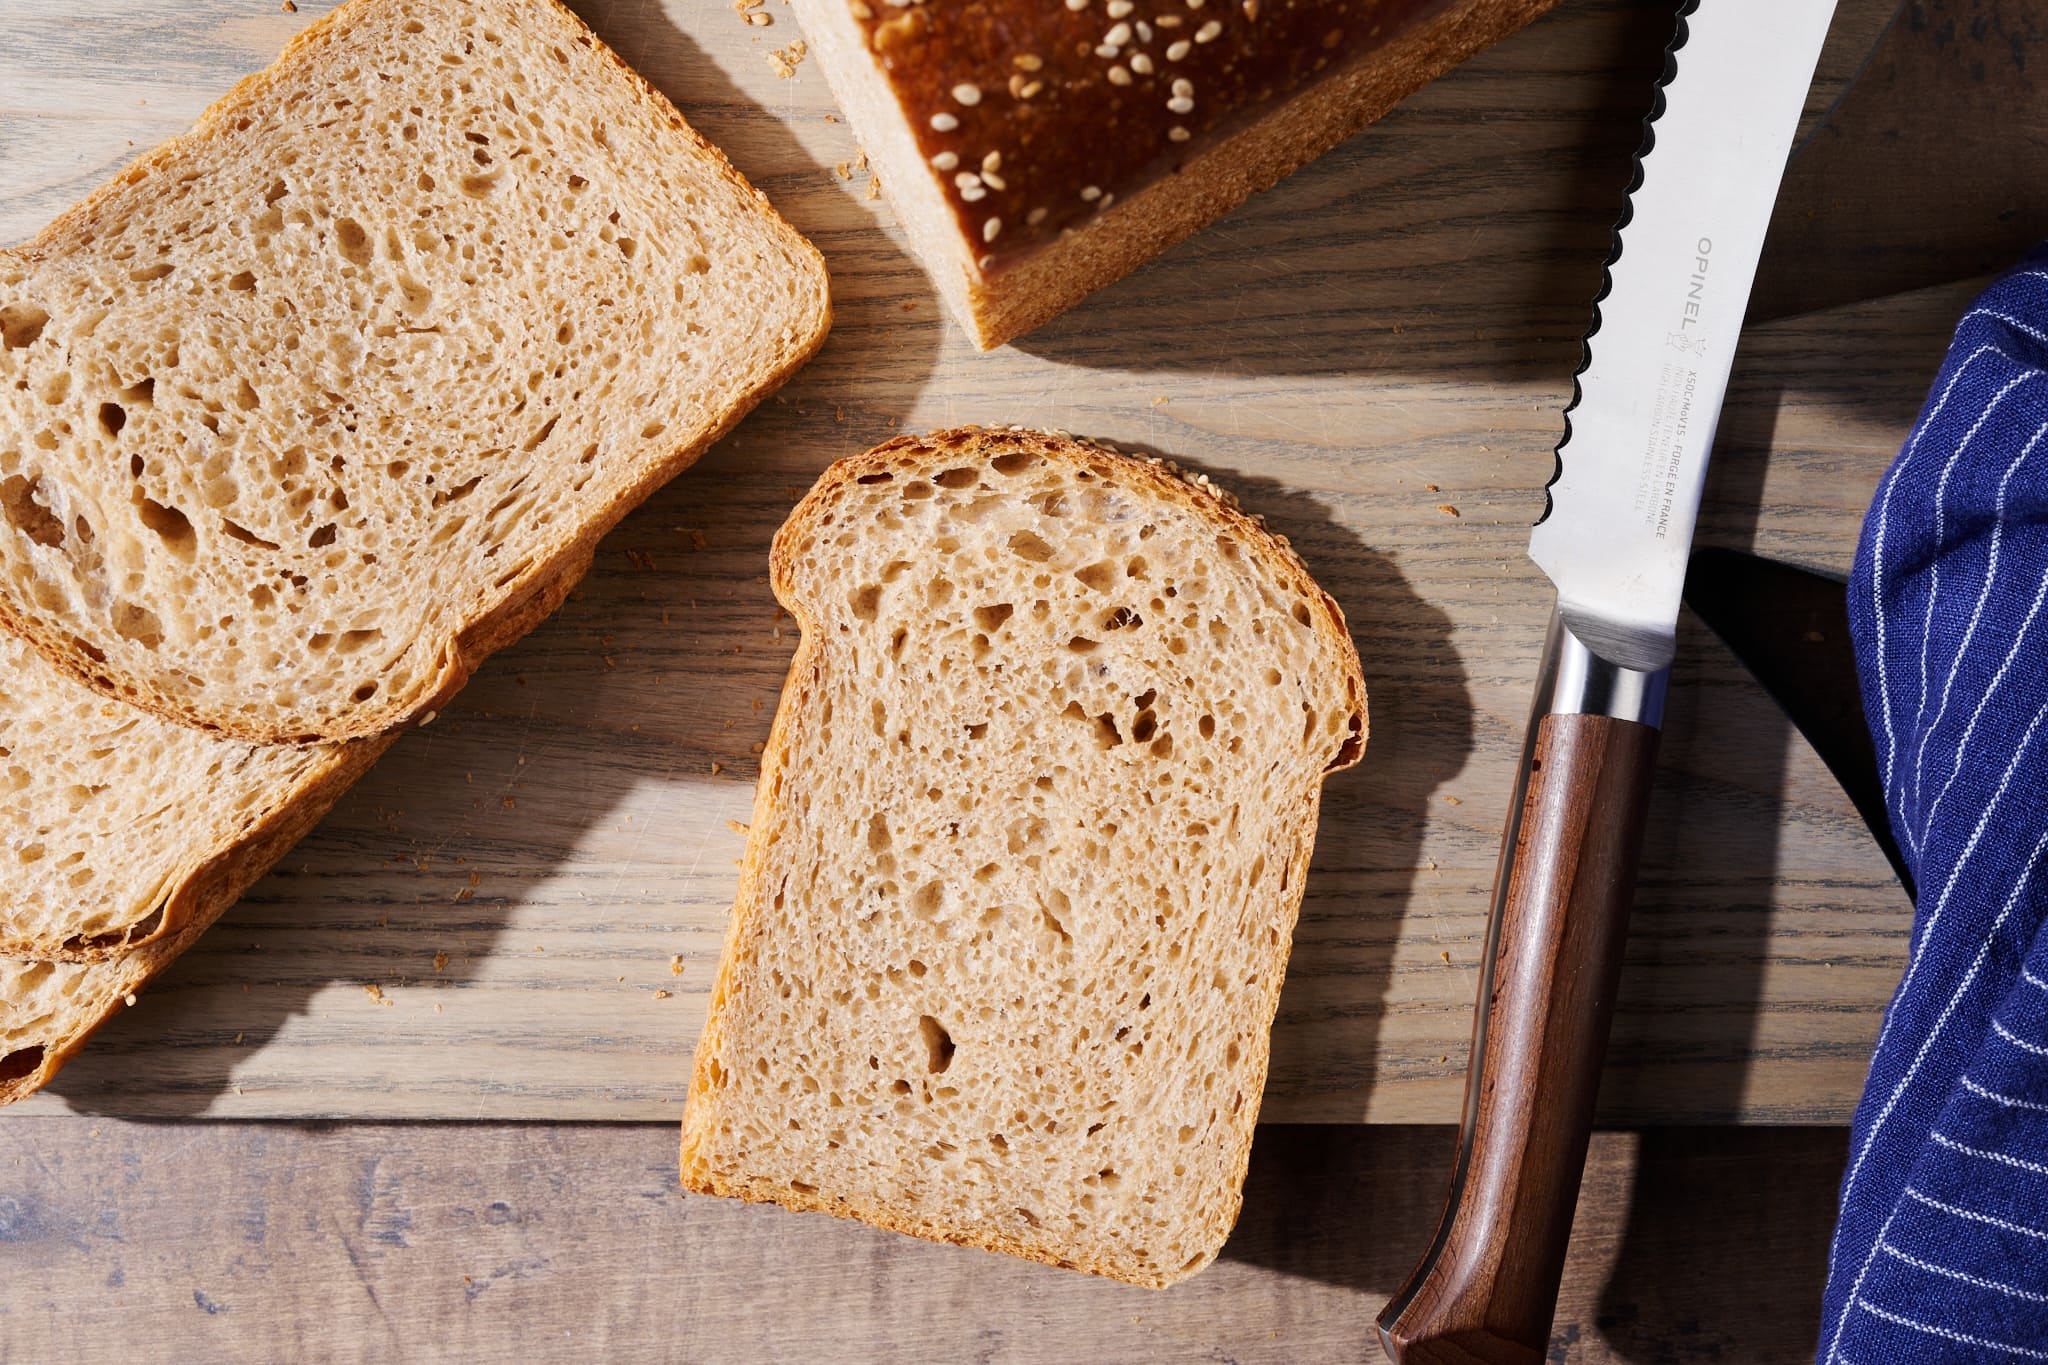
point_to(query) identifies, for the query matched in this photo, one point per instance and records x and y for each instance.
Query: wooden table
(1373, 355)
(1403, 314)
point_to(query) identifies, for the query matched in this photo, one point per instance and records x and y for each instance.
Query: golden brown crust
(221, 885)
(1259, 145)
(458, 655)
(1138, 227)
(1194, 492)
(1040, 116)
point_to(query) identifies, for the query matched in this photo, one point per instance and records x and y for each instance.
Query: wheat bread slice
(49, 1009)
(1026, 855)
(119, 826)
(304, 405)
(116, 821)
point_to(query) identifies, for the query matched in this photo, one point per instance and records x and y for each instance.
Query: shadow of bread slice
(303, 406)
(1026, 854)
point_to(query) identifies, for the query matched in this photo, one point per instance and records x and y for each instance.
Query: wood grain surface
(518, 913)
(271, 1241)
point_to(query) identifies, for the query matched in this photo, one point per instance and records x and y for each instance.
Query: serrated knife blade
(1614, 541)
(1618, 528)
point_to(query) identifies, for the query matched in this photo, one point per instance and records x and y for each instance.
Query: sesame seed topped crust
(1038, 115)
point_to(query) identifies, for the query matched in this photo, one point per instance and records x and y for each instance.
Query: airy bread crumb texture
(1026, 855)
(301, 407)
(106, 811)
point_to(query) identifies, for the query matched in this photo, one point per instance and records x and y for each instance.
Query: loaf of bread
(1026, 854)
(1036, 150)
(299, 412)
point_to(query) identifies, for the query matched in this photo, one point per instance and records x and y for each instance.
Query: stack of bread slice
(308, 412)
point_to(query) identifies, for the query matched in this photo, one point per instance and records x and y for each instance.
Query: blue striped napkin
(1941, 1253)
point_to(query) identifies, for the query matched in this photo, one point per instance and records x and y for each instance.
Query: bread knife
(1613, 539)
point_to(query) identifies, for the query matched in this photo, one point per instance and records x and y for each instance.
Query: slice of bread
(49, 1009)
(1026, 854)
(298, 411)
(117, 824)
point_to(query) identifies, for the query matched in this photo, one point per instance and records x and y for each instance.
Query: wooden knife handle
(1487, 1289)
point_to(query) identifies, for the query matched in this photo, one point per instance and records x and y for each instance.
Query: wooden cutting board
(519, 912)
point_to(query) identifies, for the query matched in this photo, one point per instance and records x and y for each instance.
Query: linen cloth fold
(1941, 1251)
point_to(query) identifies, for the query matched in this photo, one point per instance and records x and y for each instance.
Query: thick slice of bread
(1037, 151)
(306, 404)
(1027, 850)
(117, 824)
(49, 1009)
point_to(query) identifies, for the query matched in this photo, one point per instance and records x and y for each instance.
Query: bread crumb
(440, 962)
(238, 1037)
(1431, 488)
(1447, 509)
(874, 187)
(675, 965)
(736, 827)
(663, 995)
(437, 1009)
(376, 994)
(1453, 801)
(786, 60)
(1446, 956)
(508, 803)
(717, 768)
(289, 8)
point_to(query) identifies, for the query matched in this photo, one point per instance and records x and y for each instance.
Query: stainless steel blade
(1641, 426)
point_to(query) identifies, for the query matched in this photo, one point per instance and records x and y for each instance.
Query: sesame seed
(1077, 4)
(1117, 35)
(1166, 20)
(945, 161)
(1178, 50)
(1107, 200)
(1144, 32)
(990, 229)
(1028, 62)
(1032, 89)
(1091, 193)
(1106, 50)
(973, 194)
(967, 93)
(1142, 64)
(993, 181)
(1119, 8)
(985, 261)
(861, 11)
(1184, 87)
(1180, 104)
(1208, 32)
(992, 162)
(1034, 218)
(1177, 134)
(944, 122)
(1119, 76)
(1194, 4)
(967, 180)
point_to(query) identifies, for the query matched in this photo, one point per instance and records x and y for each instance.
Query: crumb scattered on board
(376, 994)
(785, 60)
(751, 12)
(675, 965)
(440, 962)
(1447, 509)
(663, 995)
